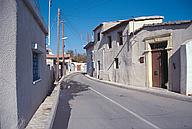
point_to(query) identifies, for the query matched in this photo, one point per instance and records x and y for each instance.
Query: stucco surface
(19, 97)
(29, 95)
(131, 71)
(8, 108)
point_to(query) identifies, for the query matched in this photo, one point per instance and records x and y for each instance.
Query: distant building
(145, 52)
(25, 78)
(51, 62)
(90, 64)
(77, 67)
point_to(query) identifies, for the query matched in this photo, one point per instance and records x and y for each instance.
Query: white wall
(131, 71)
(134, 25)
(186, 68)
(189, 67)
(29, 95)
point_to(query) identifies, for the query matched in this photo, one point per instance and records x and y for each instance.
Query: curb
(153, 91)
(56, 101)
(55, 104)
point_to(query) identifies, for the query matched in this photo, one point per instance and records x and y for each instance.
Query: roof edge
(36, 15)
(133, 19)
(88, 45)
(163, 24)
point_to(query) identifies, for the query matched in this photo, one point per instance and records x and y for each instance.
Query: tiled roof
(163, 24)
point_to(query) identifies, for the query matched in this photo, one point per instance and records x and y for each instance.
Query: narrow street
(88, 104)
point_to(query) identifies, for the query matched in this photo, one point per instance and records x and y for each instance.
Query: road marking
(131, 112)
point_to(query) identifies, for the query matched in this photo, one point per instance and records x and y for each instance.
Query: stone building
(24, 76)
(144, 52)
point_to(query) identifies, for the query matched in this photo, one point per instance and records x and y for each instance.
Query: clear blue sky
(82, 16)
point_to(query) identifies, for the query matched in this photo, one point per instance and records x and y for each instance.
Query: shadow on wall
(175, 72)
(70, 90)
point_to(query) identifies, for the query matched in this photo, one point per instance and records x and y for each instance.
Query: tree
(71, 52)
(81, 58)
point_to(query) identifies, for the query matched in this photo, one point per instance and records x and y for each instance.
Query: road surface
(88, 104)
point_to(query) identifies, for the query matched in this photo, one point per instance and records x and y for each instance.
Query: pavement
(45, 114)
(85, 103)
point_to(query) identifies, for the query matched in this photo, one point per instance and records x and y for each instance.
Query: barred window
(109, 42)
(116, 63)
(36, 74)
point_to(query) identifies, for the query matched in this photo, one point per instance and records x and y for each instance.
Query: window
(36, 74)
(116, 63)
(109, 42)
(98, 36)
(99, 65)
(120, 38)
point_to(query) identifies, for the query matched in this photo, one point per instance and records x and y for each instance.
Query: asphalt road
(88, 104)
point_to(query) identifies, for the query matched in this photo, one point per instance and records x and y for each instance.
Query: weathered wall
(29, 95)
(180, 33)
(98, 47)
(131, 71)
(134, 25)
(8, 108)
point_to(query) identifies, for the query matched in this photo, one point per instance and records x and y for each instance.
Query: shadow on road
(70, 90)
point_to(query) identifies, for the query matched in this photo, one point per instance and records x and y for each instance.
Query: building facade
(77, 67)
(24, 76)
(52, 59)
(143, 52)
(89, 60)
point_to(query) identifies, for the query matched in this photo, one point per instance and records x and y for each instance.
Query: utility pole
(49, 29)
(58, 44)
(63, 47)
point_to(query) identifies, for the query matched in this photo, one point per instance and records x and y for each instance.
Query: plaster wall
(98, 48)
(189, 68)
(134, 25)
(106, 56)
(8, 27)
(29, 94)
(179, 34)
(186, 68)
(131, 71)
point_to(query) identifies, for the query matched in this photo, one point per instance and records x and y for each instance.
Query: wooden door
(78, 67)
(156, 68)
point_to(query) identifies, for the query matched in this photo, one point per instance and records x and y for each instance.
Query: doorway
(78, 67)
(159, 64)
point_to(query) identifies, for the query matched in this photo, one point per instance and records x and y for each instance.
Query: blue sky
(82, 16)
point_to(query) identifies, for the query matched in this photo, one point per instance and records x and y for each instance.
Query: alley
(87, 104)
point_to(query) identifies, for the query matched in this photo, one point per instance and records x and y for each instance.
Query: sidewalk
(155, 91)
(45, 114)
